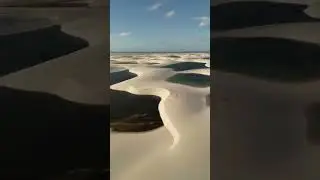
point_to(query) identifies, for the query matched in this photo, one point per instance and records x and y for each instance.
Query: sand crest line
(163, 94)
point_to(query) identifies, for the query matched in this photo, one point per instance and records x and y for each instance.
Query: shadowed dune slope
(26, 49)
(44, 135)
(235, 15)
(120, 76)
(267, 58)
(124, 104)
(134, 113)
(80, 77)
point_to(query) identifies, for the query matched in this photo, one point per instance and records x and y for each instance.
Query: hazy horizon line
(159, 51)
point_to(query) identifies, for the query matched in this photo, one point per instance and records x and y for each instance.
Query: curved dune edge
(313, 10)
(249, 100)
(168, 152)
(81, 76)
(306, 32)
(163, 94)
(85, 84)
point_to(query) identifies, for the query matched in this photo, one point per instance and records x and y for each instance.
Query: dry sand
(180, 149)
(260, 127)
(81, 76)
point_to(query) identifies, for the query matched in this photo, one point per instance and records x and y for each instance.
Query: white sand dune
(87, 23)
(180, 149)
(81, 76)
(257, 120)
(245, 108)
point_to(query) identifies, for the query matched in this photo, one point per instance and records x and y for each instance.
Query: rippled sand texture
(180, 149)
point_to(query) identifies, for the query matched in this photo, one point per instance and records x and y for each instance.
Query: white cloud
(204, 20)
(170, 13)
(125, 34)
(155, 7)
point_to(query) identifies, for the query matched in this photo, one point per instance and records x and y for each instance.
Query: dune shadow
(183, 66)
(273, 59)
(124, 62)
(43, 135)
(134, 113)
(151, 63)
(119, 76)
(235, 15)
(26, 49)
(191, 79)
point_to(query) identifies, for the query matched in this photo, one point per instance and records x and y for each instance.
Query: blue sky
(164, 25)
